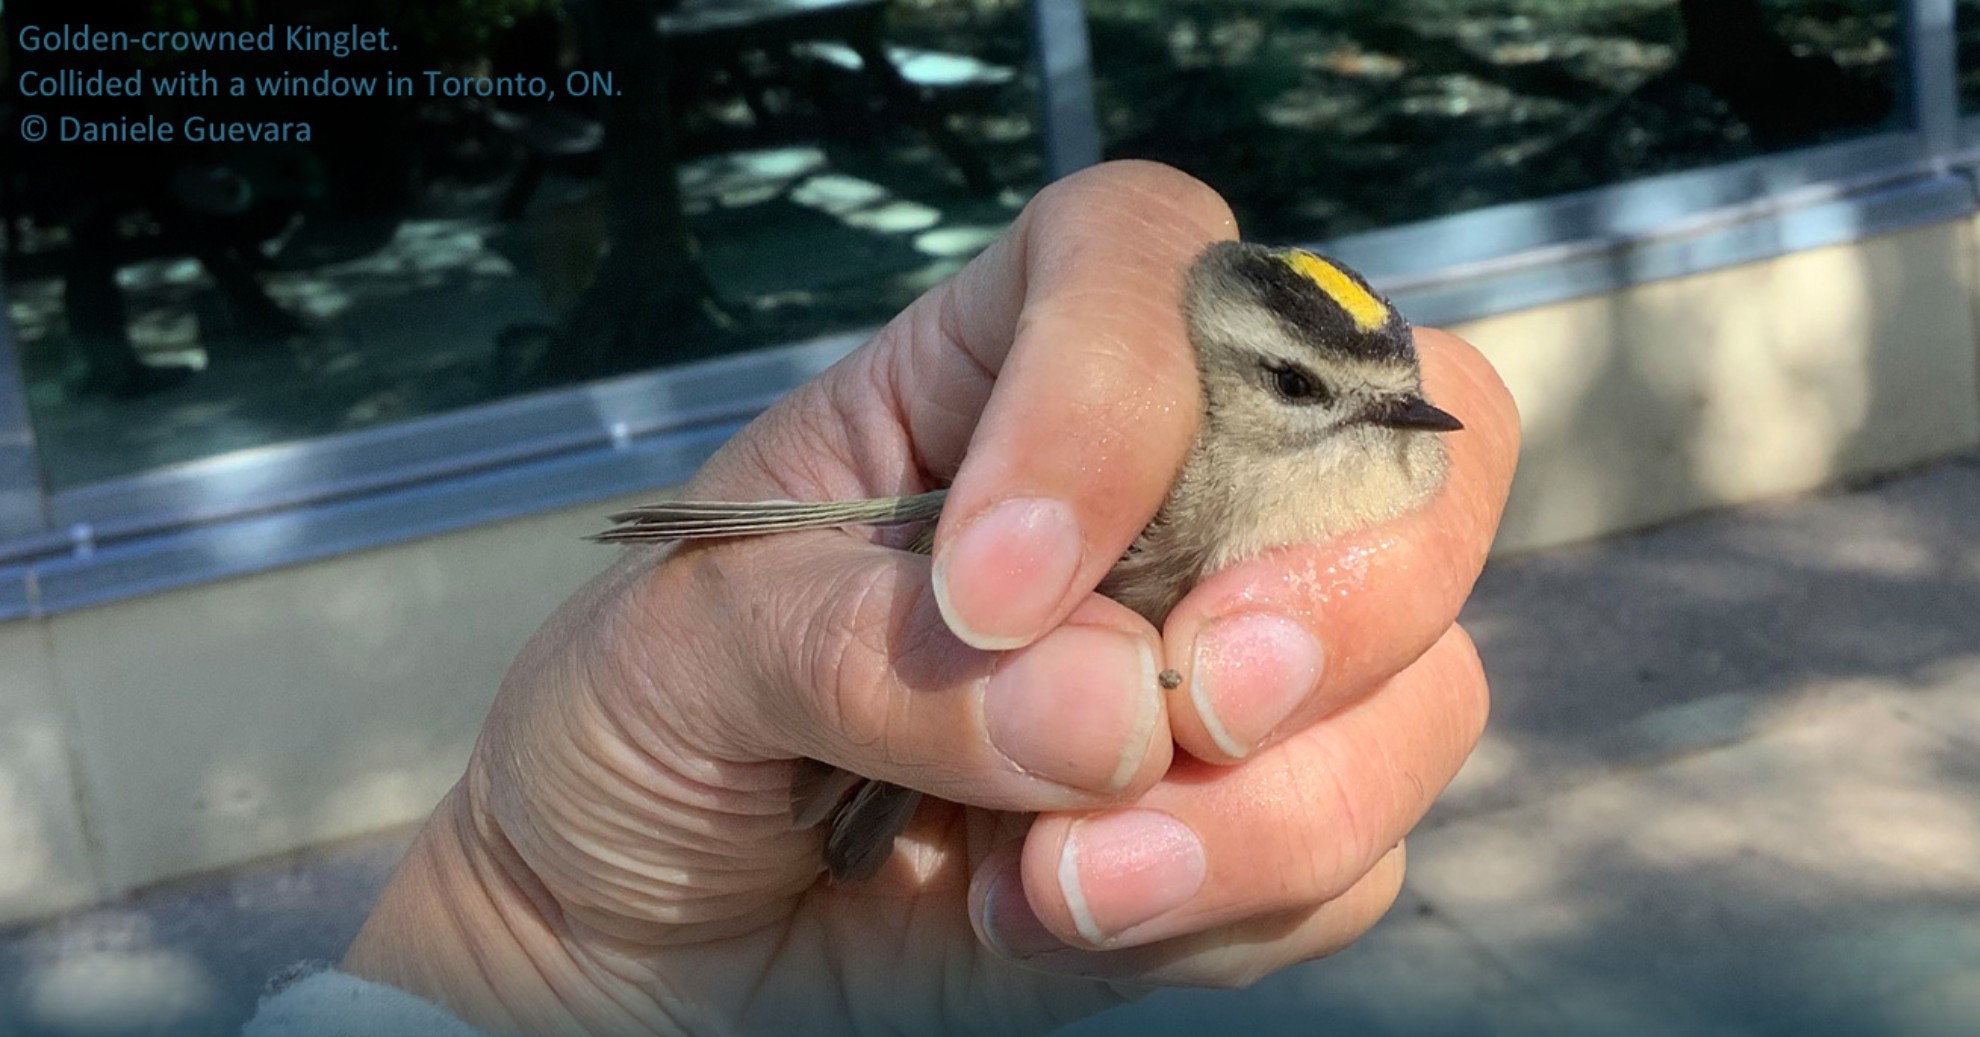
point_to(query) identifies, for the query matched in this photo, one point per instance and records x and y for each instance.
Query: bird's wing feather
(689, 520)
(861, 837)
(817, 791)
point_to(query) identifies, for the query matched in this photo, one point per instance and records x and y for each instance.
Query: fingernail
(1077, 708)
(1247, 676)
(1126, 869)
(1010, 926)
(1014, 563)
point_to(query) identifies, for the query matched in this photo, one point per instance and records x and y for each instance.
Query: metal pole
(22, 499)
(1931, 88)
(1065, 86)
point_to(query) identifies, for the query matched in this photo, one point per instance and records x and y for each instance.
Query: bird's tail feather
(689, 520)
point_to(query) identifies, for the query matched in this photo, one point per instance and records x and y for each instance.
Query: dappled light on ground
(1731, 786)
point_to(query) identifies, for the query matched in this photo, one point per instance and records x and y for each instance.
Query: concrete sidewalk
(1731, 787)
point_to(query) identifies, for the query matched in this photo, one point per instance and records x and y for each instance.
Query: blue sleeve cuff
(321, 1002)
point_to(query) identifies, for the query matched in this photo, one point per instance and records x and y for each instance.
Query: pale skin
(619, 858)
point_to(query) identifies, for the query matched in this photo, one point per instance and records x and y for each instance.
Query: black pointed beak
(1413, 412)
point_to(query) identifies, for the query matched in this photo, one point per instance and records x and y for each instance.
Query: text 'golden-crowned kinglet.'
(1313, 424)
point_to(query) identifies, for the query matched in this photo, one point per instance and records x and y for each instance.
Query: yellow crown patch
(1360, 304)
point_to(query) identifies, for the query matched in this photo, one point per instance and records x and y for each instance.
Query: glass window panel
(1325, 117)
(753, 172)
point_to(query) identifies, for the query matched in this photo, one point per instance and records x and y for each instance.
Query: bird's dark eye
(1295, 384)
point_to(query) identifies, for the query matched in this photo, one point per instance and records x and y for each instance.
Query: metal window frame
(286, 503)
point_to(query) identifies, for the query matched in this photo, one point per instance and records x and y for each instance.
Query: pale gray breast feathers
(1230, 506)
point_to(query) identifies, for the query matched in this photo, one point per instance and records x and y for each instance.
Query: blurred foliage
(194, 14)
(456, 30)
(992, 30)
(1967, 20)
(1325, 117)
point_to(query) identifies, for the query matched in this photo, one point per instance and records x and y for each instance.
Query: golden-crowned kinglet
(1313, 423)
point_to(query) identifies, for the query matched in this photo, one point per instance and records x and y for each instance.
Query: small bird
(1313, 424)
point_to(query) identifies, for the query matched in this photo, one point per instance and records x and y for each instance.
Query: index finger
(1095, 402)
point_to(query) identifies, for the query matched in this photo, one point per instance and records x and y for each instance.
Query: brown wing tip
(859, 863)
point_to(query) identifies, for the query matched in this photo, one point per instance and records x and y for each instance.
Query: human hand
(619, 857)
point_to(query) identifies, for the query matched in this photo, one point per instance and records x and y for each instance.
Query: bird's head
(1295, 349)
